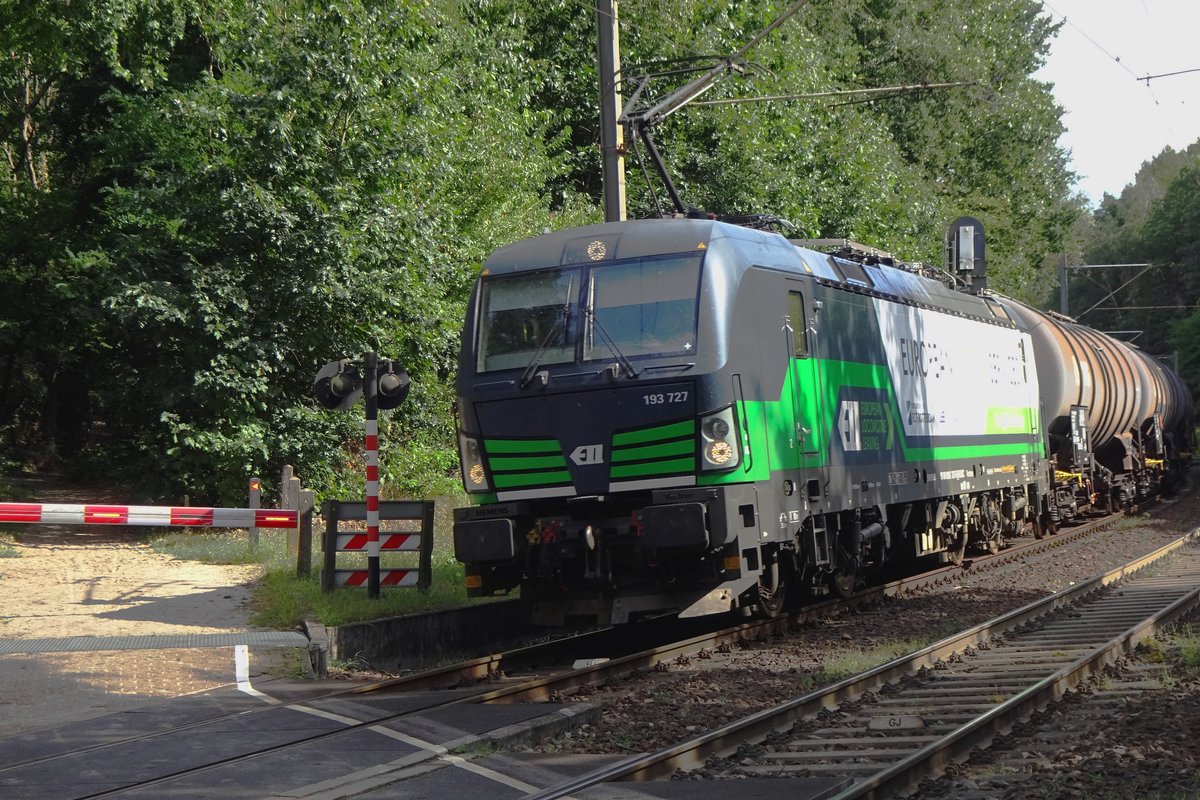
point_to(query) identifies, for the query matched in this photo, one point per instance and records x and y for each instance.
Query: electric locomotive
(691, 416)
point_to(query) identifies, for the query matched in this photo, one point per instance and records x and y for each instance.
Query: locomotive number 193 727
(664, 397)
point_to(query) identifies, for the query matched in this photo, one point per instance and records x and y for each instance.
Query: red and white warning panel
(388, 542)
(387, 577)
(156, 516)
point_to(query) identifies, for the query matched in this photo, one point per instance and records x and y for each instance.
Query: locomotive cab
(595, 428)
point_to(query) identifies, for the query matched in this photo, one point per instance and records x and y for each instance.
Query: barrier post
(425, 566)
(289, 497)
(354, 540)
(254, 502)
(329, 510)
(305, 503)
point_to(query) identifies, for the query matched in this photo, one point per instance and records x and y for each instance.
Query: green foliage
(206, 202)
(325, 187)
(891, 170)
(1155, 220)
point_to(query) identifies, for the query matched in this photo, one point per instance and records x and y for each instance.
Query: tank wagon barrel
(1122, 393)
(1078, 366)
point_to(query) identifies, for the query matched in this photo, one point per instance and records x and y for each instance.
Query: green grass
(846, 663)
(226, 547)
(6, 545)
(282, 599)
(1188, 643)
(1132, 521)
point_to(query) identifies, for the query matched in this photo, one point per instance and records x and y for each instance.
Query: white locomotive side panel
(958, 377)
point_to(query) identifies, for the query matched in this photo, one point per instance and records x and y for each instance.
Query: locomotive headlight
(718, 453)
(471, 457)
(716, 428)
(718, 445)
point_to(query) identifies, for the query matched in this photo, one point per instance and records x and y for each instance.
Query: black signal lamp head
(338, 385)
(342, 385)
(393, 385)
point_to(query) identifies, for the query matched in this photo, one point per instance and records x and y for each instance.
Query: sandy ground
(95, 581)
(113, 589)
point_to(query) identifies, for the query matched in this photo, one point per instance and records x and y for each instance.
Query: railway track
(542, 672)
(1132, 727)
(878, 734)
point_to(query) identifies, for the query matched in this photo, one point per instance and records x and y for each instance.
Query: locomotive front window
(644, 307)
(522, 314)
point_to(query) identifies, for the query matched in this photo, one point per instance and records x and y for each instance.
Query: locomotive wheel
(956, 551)
(772, 600)
(844, 579)
(771, 604)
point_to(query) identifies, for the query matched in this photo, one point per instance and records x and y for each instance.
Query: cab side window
(798, 324)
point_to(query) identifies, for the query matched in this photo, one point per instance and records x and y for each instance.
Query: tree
(207, 202)
(63, 63)
(1153, 221)
(327, 186)
(891, 171)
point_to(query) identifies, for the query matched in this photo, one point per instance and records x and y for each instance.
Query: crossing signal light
(393, 384)
(338, 384)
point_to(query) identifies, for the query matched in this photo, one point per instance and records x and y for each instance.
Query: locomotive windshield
(641, 307)
(645, 307)
(525, 313)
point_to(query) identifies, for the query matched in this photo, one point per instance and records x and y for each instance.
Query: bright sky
(1114, 122)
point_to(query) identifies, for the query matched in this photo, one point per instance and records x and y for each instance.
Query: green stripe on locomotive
(769, 425)
(526, 463)
(651, 451)
(657, 433)
(658, 451)
(529, 480)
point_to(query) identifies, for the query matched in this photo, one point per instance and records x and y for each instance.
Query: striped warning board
(388, 542)
(387, 577)
(156, 516)
(401, 544)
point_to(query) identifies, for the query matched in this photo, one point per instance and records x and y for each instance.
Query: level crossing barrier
(153, 516)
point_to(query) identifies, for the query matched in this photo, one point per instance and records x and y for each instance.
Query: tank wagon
(1119, 423)
(696, 416)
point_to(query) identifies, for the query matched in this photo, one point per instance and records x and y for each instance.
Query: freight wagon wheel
(1039, 530)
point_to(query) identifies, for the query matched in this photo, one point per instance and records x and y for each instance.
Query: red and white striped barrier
(388, 542)
(387, 577)
(157, 516)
